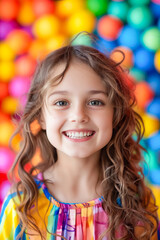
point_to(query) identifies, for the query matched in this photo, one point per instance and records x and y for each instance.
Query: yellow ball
(46, 26)
(157, 60)
(26, 14)
(80, 21)
(151, 124)
(7, 70)
(9, 105)
(6, 52)
(156, 191)
(66, 8)
(6, 130)
(55, 43)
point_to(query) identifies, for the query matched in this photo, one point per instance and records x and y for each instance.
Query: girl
(89, 184)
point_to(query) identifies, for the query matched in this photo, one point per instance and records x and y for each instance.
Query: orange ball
(109, 27)
(117, 56)
(143, 93)
(26, 15)
(25, 66)
(37, 49)
(4, 117)
(3, 90)
(9, 9)
(19, 40)
(6, 130)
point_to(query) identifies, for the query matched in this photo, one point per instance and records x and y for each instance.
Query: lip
(79, 139)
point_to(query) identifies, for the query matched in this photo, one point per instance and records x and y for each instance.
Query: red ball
(25, 66)
(9, 9)
(3, 90)
(109, 27)
(43, 7)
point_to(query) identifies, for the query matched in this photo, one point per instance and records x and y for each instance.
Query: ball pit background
(30, 29)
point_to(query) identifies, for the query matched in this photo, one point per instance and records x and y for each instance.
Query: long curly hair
(122, 176)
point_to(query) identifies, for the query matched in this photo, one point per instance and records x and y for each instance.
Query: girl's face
(77, 116)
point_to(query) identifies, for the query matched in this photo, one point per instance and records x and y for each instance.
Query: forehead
(79, 76)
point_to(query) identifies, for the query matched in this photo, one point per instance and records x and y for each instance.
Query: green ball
(82, 39)
(139, 17)
(97, 7)
(118, 9)
(151, 158)
(151, 38)
(138, 74)
(138, 2)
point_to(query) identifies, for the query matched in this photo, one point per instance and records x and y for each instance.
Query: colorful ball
(4, 188)
(82, 39)
(37, 49)
(151, 124)
(105, 46)
(43, 7)
(9, 9)
(6, 52)
(153, 80)
(129, 37)
(19, 40)
(117, 56)
(154, 176)
(9, 105)
(67, 8)
(153, 107)
(97, 7)
(7, 70)
(6, 130)
(139, 17)
(54, 43)
(118, 9)
(6, 28)
(155, 8)
(157, 60)
(25, 66)
(109, 27)
(3, 90)
(138, 74)
(26, 15)
(6, 159)
(82, 20)
(46, 26)
(151, 38)
(138, 3)
(143, 93)
(19, 86)
(142, 54)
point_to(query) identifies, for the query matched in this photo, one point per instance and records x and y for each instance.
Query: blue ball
(154, 82)
(153, 108)
(154, 142)
(105, 46)
(129, 37)
(144, 59)
(154, 177)
(155, 8)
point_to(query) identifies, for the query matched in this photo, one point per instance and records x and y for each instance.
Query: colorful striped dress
(74, 221)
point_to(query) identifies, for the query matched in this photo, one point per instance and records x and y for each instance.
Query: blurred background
(30, 29)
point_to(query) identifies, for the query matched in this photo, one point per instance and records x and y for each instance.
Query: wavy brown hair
(122, 176)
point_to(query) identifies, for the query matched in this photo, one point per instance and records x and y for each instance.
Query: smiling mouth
(78, 135)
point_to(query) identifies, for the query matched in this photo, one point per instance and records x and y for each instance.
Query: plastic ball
(118, 9)
(19, 86)
(105, 46)
(54, 43)
(156, 1)
(6, 52)
(9, 9)
(6, 159)
(151, 124)
(46, 26)
(37, 49)
(154, 81)
(138, 3)
(109, 27)
(153, 107)
(97, 7)
(155, 8)
(9, 105)
(138, 74)
(19, 40)
(129, 37)
(154, 176)
(117, 56)
(82, 40)
(26, 15)
(43, 7)
(151, 38)
(157, 60)
(4, 188)
(6, 130)
(82, 20)
(139, 17)
(7, 70)
(142, 54)
(6, 28)
(143, 93)
(151, 160)
(4, 117)
(25, 66)
(67, 8)
(3, 90)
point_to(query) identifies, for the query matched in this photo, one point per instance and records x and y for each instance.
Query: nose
(79, 114)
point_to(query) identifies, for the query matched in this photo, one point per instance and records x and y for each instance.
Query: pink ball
(4, 188)
(6, 159)
(19, 86)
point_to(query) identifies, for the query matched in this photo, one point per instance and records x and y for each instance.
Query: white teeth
(78, 134)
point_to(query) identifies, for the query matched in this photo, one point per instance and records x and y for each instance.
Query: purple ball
(6, 27)
(19, 86)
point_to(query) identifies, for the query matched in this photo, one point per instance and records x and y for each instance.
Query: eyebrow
(90, 92)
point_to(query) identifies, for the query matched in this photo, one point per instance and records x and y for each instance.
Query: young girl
(89, 184)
